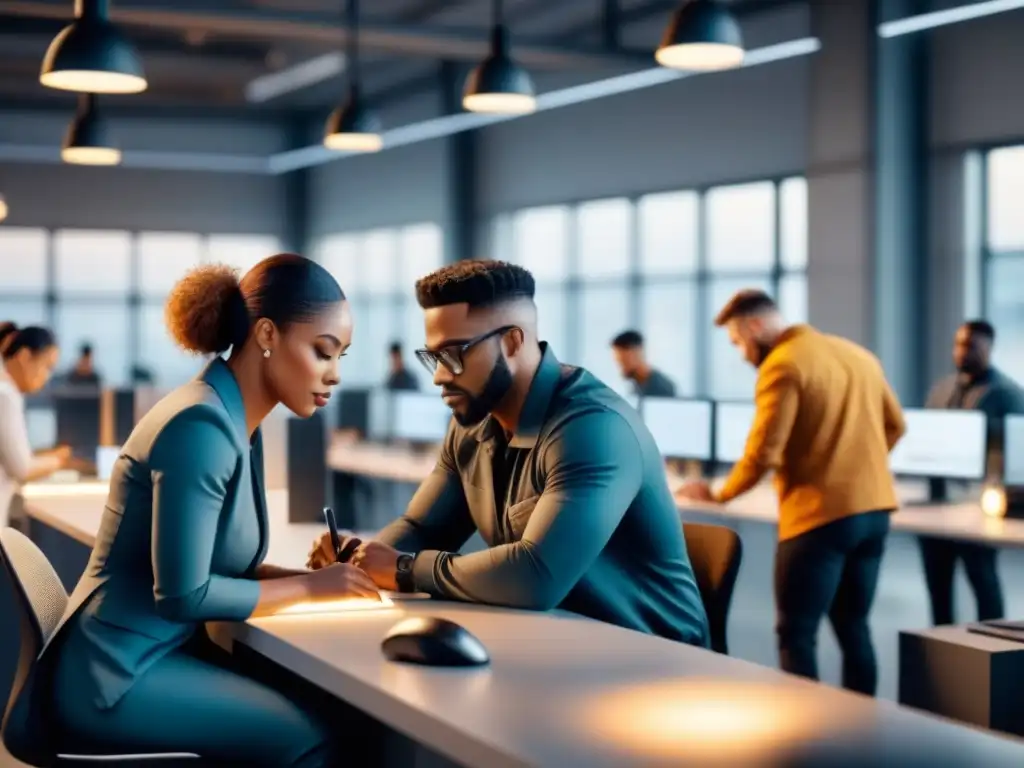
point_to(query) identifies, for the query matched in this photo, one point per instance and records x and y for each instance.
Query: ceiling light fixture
(353, 126)
(3, 208)
(87, 141)
(702, 36)
(90, 55)
(498, 85)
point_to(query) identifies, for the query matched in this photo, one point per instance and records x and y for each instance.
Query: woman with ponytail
(185, 532)
(27, 359)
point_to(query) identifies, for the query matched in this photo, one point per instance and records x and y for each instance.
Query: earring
(266, 353)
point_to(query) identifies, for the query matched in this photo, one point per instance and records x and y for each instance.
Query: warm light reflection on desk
(993, 502)
(714, 721)
(346, 605)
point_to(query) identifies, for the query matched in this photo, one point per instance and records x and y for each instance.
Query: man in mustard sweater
(826, 420)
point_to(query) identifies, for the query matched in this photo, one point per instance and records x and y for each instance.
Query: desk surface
(962, 521)
(566, 691)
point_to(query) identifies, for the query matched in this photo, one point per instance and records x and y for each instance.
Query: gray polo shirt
(657, 385)
(575, 509)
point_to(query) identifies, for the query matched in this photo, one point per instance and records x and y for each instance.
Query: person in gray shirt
(399, 378)
(555, 470)
(628, 348)
(976, 385)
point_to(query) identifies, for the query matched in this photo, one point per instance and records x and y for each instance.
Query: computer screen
(379, 415)
(1013, 451)
(941, 443)
(681, 428)
(106, 458)
(419, 417)
(354, 410)
(732, 425)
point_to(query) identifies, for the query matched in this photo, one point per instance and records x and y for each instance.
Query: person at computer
(825, 422)
(185, 532)
(400, 378)
(84, 373)
(555, 470)
(976, 385)
(28, 356)
(628, 349)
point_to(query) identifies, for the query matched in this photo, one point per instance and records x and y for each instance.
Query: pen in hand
(341, 554)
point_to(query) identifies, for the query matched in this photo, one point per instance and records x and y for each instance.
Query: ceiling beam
(413, 40)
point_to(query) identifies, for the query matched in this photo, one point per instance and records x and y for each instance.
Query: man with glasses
(554, 469)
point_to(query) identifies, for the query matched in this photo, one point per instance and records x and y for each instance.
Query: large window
(664, 264)
(378, 270)
(1003, 255)
(107, 288)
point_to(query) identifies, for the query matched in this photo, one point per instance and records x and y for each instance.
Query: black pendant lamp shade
(87, 141)
(90, 55)
(498, 85)
(702, 36)
(353, 126)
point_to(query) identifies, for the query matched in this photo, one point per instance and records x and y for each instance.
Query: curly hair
(478, 283)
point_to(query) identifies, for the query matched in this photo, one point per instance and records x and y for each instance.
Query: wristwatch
(403, 573)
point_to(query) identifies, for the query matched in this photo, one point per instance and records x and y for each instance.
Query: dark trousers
(939, 557)
(831, 570)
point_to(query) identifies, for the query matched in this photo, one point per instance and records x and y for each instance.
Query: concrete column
(462, 208)
(867, 189)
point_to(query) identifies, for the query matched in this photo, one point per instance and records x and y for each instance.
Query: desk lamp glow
(702, 36)
(993, 502)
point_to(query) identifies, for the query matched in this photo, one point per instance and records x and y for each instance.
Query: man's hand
(322, 553)
(694, 490)
(379, 562)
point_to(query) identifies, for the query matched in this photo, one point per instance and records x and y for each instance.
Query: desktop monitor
(78, 421)
(941, 444)
(42, 428)
(1013, 452)
(379, 414)
(732, 425)
(418, 417)
(354, 410)
(681, 428)
(106, 458)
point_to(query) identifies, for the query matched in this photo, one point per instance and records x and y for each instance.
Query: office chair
(40, 601)
(715, 554)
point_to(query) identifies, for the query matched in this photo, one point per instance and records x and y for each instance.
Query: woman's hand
(321, 554)
(337, 581)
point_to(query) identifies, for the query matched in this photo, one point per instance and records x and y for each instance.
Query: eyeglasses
(451, 356)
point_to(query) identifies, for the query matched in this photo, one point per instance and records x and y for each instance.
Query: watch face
(405, 562)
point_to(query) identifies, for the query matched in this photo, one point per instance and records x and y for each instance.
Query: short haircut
(981, 328)
(628, 340)
(746, 303)
(85, 350)
(478, 283)
(395, 348)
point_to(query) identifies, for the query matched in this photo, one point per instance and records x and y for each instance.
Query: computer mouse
(433, 642)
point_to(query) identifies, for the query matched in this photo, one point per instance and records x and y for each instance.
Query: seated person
(553, 468)
(185, 531)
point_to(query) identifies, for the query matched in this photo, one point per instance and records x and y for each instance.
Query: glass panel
(413, 336)
(105, 327)
(542, 242)
(792, 297)
(741, 227)
(422, 249)
(551, 319)
(604, 312)
(366, 363)
(92, 261)
(1005, 304)
(339, 255)
(23, 260)
(669, 325)
(164, 258)
(158, 353)
(731, 377)
(241, 251)
(668, 233)
(24, 312)
(603, 238)
(793, 223)
(378, 256)
(1006, 198)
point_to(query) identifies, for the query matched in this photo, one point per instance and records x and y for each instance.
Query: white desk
(566, 691)
(964, 521)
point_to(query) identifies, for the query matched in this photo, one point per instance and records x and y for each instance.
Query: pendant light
(3, 208)
(90, 55)
(353, 126)
(87, 141)
(498, 85)
(702, 36)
